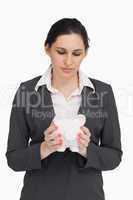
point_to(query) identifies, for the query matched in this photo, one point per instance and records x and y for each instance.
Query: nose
(68, 60)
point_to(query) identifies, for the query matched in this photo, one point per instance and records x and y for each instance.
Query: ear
(47, 49)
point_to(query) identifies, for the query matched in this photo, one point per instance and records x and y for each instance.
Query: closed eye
(62, 52)
(76, 54)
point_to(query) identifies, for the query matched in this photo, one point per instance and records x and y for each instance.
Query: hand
(53, 141)
(83, 140)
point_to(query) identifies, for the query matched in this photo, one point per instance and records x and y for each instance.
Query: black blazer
(63, 175)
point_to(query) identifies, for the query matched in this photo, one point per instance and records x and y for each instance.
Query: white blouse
(65, 107)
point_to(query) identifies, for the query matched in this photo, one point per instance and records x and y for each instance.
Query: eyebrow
(61, 48)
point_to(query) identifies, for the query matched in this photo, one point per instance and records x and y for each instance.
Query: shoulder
(104, 90)
(100, 86)
(31, 83)
(25, 86)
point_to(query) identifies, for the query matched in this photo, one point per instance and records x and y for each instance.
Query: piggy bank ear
(81, 119)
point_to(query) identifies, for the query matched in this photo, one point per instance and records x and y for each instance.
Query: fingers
(83, 137)
(50, 132)
(51, 128)
(85, 133)
(55, 142)
(82, 142)
(53, 137)
(85, 130)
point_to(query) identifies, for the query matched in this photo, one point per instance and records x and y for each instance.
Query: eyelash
(61, 53)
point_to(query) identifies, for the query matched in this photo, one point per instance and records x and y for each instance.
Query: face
(66, 54)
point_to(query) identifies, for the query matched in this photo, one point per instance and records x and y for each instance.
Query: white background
(23, 28)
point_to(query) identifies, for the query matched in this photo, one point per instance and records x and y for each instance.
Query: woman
(65, 91)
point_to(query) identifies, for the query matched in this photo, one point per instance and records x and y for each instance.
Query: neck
(61, 83)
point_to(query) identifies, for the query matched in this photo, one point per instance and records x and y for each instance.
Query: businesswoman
(65, 91)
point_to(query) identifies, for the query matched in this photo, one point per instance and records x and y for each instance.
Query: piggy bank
(69, 128)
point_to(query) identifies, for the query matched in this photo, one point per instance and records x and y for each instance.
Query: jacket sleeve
(20, 156)
(108, 154)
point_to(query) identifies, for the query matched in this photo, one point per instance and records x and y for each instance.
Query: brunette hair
(67, 26)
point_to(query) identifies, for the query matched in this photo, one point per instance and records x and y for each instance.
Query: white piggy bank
(69, 128)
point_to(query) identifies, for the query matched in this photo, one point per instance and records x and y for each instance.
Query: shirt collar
(46, 80)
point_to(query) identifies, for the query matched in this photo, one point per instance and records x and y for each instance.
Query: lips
(66, 70)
